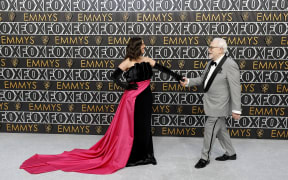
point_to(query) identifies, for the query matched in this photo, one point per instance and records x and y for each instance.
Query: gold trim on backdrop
(181, 64)
(152, 86)
(268, 40)
(47, 85)
(208, 40)
(68, 16)
(18, 106)
(71, 107)
(242, 64)
(98, 129)
(14, 62)
(99, 85)
(45, 39)
(125, 16)
(260, 133)
(152, 40)
(245, 16)
(48, 128)
(264, 88)
(179, 109)
(183, 16)
(69, 62)
(153, 130)
(98, 40)
(11, 16)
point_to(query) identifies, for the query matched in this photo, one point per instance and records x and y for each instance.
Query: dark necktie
(213, 63)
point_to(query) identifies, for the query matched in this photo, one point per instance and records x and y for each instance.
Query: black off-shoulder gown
(142, 150)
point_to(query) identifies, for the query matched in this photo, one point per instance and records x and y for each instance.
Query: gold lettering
(161, 17)
(279, 134)
(3, 62)
(71, 40)
(44, 63)
(247, 87)
(177, 87)
(199, 64)
(98, 108)
(167, 63)
(284, 41)
(266, 111)
(73, 85)
(240, 132)
(234, 132)
(44, 107)
(190, 40)
(17, 40)
(282, 88)
(270, 65)
(4, 106)
(113, 86)
(97, 63)
(197, 110)
(20, 85)
(264, 17)
(103, 17)
(161, 108)
(178, 131)
(193, 131)
(241, 40)
(212, 17)
(118, 40)
(22, 128)
(46, 17)
(73, 129)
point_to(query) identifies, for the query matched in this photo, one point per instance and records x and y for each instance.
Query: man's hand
(235, 116)
(184, 83)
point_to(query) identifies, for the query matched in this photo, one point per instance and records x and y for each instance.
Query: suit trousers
(216, 127)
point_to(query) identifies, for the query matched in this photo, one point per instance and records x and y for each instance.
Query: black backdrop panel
(56, 58)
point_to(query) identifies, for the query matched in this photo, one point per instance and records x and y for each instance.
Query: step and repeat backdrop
(57, 56)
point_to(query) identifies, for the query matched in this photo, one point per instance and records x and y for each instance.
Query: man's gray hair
(221, 43)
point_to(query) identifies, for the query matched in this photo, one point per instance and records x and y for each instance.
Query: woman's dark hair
(133, 49)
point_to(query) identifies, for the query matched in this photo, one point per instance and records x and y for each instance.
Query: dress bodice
(139, 72)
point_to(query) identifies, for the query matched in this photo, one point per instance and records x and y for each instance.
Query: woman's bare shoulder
(125, 64)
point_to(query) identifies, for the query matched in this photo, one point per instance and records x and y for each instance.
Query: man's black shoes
(225, 157)
(201, 163)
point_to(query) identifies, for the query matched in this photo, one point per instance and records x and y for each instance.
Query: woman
(128, 140)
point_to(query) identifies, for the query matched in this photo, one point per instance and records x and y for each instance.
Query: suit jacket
(224, 94)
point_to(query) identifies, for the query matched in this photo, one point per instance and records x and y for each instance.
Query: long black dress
(142, 149)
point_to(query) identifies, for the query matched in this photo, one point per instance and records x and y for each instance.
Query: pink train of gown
(108, 155)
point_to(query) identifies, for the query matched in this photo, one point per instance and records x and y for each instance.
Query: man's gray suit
(223, 96)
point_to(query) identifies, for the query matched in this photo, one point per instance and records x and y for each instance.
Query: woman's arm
(117, 74)
(164, 69)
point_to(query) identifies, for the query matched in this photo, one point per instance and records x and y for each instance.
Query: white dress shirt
(212, 68)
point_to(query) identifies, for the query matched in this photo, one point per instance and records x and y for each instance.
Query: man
(221, 83)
